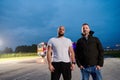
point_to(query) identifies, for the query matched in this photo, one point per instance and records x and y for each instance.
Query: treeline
(21, 49)
(7, 50)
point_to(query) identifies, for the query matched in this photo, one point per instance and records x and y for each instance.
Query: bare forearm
(48, 58)
(72, 55)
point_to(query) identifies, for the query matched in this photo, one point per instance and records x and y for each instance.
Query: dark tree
(25, 48)
(8, 50)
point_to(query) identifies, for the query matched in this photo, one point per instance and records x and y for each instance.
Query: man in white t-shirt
(60, 56)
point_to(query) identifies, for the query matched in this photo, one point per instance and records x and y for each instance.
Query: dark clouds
(32, 21)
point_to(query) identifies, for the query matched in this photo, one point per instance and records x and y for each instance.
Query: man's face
(86, 29)
(61, 31)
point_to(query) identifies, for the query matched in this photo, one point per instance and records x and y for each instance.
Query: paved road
(34, 70)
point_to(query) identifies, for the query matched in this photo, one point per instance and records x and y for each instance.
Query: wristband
(73, 62)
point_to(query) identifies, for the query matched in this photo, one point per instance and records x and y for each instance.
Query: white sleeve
(70, 42)
(49, 42)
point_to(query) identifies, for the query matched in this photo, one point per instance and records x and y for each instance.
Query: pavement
(36, 69)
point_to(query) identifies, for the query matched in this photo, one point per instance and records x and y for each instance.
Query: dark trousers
(61, 68)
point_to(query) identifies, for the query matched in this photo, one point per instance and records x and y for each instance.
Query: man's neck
(60, 36)
(86, 35)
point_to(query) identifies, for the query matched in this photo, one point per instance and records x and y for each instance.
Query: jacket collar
(90, 33)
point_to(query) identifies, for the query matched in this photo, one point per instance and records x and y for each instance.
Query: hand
(51, 68)
(81, 67)
(98, 67)
(72, 66)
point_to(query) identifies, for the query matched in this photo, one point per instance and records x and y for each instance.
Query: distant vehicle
(42, 49)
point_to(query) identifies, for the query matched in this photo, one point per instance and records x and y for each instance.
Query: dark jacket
(89, 51)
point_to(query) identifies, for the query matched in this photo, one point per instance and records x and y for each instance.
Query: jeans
(91, 70)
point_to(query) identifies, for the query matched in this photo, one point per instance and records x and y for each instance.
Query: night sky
(27, 22)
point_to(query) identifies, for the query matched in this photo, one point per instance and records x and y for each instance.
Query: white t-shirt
(60, 47)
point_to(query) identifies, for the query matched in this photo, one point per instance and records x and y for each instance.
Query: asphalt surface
(34, 69)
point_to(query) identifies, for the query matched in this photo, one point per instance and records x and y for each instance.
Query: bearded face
(61, 31)
(85, 30)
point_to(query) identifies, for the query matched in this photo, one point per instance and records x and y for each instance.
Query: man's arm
(49, 55)
(72, 56)
(49, 59)
(101, 53)
(77, 53)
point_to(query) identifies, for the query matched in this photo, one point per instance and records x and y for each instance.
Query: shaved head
(61, 31)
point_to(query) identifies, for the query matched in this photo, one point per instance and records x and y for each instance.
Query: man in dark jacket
(89, 54)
